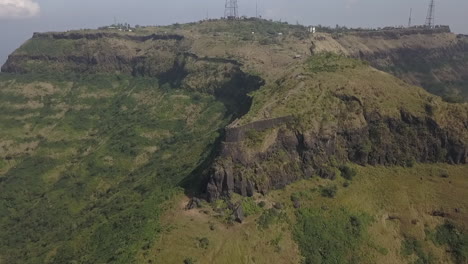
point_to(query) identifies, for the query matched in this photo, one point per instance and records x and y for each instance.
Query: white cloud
(18, 8)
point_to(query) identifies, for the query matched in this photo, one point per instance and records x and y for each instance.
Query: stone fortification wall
(236, 134)
(99, 35)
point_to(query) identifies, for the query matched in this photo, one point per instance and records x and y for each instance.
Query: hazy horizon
(20, 18)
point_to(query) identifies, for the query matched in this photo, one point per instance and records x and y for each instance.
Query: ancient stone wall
(236, 134)
(99, 35)
(396, 33)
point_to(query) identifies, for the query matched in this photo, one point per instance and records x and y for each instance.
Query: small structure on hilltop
(119, 27)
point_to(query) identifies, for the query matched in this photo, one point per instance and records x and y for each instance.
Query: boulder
(193, 203)
(297, 204)
(239, 214)
(278, 206)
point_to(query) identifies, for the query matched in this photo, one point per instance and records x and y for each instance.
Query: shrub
(409, 162)
(270, 217)
(295, 197)
(203, 242)
(250, 207)
(189, 261)
(448, 234)
(328, 173)
(329, 191)
(254, 138)
(348, 172)
(412, 246)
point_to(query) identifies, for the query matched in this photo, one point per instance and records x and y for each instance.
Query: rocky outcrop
(301, 154)
(238, 214)
(89, 53)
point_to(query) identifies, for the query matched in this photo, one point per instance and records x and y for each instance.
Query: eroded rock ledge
(296, 155)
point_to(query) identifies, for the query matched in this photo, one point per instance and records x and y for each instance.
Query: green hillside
(88, 163)
(230, 142)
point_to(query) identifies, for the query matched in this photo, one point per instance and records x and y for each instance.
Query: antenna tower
(430, 19)
(256, 9)
(231, 9)
(410, 17)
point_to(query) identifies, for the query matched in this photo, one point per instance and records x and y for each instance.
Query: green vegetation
(333, 236)
(189, 261)
(347, 172)
(329, 191)
(448, 235)
(355, 225)
(254, 138)
(332, 62)
(412, 246)
(48, 46)
(107, 152)
(270, 217)
(203, 242)
(250, 207)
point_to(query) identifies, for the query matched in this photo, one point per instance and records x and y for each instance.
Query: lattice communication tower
(231, 9)
(430, 19)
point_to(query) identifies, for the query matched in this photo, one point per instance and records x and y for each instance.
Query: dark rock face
(300, 154)
(99, 53)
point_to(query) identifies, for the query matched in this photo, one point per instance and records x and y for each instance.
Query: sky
(20, 18)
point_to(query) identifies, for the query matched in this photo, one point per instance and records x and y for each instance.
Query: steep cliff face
(88, 53)
(296, 154)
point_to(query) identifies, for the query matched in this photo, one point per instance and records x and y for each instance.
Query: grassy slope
(406, 195)
(87, 164)
(310, 92)
(327, 74)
